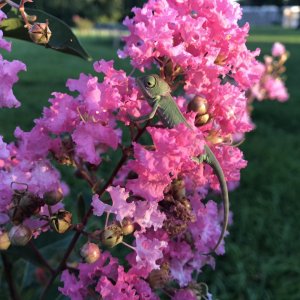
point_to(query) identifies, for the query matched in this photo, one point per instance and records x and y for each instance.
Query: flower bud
(20, 235)
(90, 252)
(61, 221)
(40, 33)
(4, 240)
(215, 138)
(158, 278)
(201, 120)
(178, 189)
(112, 236)
(53, 197)
(29, 204)
(127, 226)
(198, 105)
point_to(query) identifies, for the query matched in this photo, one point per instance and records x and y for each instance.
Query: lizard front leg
(148, 116)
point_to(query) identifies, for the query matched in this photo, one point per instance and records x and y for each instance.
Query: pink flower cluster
(204, 42)
(157, 187)
(8, 74)
(271, 84)
(201, 37)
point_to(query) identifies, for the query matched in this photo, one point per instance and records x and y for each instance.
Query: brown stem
(2, 4)
(9, 277)
(40, 257)
(23, 14)
(76, 236)
(85, 174)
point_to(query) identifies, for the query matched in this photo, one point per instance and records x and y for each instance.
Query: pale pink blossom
(148, 252)
(3, 43)
(276, 89)
(8, 77)
(278, 49)
(4, 152)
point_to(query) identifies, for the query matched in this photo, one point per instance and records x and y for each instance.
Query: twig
(9, 277)
(40, 257)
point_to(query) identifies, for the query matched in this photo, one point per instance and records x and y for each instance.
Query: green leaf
(62, 39)
(26, 253)
(46, 250)
(80, 207)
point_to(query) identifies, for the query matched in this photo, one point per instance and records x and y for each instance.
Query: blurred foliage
(103, 11)
(269, 2)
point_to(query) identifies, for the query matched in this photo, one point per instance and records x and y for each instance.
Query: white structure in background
(291, 15)
(261, 15)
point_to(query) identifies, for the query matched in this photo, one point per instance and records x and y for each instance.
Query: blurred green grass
(262, 258)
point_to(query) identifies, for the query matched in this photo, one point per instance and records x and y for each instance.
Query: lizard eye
(150, 82)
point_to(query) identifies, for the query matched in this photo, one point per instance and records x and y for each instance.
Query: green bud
(40, 33)
(4, 240)
(127, 226)
(53, 197)
(20, 235)
(61, 221)
(198, 105)
(90, 252)
(112, 236)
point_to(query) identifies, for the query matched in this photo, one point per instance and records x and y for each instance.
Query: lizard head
(152, 86)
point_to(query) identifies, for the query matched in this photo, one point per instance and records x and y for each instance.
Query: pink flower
(4, 152)
(72, 288)
(120, 207)
(148, 252)
(147, 215)
(276, 89)
(278, 49)
(3, 43)
(62, 116)
(185, 294)
(92, 139)
(8, 76)
(33, 145)
(200, 38)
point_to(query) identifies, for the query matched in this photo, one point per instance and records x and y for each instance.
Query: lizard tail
(214, 163)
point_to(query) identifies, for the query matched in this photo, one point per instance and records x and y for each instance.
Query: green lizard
(157, 92)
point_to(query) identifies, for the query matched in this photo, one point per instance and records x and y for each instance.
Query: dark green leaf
(80, 208)
(62, 39)
(26, 253)
(6, 8)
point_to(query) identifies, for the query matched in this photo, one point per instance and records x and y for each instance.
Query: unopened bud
(4, 240)
(127, 226)
(20, 235)
(201, 120)
(178, 189)
(40, 33)
(112, 236)
(53, 197)
(198, 105)
(61, 221)
(159, 278)
(90, 252)
(214, 137)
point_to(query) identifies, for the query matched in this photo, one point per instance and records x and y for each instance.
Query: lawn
(262, 258)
